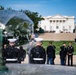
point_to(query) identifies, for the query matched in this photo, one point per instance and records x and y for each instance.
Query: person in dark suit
(70, 50)
(38, 54)
(11, 52)
(50, 53)
(63, 53)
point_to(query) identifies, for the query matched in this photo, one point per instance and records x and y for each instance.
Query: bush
(41, 30)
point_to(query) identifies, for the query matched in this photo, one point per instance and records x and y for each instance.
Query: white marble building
(58, 23)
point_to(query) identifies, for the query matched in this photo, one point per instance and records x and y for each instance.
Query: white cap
(12, 40)
(38, 39)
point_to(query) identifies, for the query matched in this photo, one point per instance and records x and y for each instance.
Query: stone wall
(58, 36)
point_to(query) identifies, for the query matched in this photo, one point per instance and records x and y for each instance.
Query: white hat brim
(38, 39)
(12, 40)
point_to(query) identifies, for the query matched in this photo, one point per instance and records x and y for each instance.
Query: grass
(58, 44)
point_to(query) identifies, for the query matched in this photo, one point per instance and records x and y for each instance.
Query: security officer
(50, 53)
(63, 53)
(38, 54)
(11, 52)
(70, 50)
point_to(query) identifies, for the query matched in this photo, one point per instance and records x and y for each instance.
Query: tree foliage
(34, 16)
(17, 26)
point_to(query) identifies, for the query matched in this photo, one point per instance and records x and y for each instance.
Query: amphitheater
(58, 36)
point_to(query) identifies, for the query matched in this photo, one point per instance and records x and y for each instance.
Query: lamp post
(2, 65)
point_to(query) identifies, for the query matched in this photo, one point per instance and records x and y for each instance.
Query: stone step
(35, 69)
(58, 36)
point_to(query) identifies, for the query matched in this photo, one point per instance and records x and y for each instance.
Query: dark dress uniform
(70, 51)
(63, 53)
(50, 54)
(38, 55)
(11, 52)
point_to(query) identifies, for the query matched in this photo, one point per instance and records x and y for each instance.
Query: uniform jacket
(11, 52)
(38, 52)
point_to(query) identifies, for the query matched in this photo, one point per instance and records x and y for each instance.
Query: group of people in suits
(66, 51)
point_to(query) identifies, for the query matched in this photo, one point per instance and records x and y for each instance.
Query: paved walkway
(34, 69)
(57, 60)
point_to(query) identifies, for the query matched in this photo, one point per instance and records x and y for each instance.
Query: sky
(43, 7)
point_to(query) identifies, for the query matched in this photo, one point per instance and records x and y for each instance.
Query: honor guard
(11, 52)
(38, 54)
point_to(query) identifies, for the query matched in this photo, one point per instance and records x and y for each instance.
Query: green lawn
(58, 44)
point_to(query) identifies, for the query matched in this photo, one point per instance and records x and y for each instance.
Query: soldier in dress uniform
(11, 52)
(70, 50)
(38, 54)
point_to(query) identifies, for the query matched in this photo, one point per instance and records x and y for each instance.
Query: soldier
(11, 52)
(50, 53)
(38, 54)
(70, 50)
(63, 53)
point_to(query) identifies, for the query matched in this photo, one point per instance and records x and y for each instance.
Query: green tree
(18, 28)
(34, 16)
